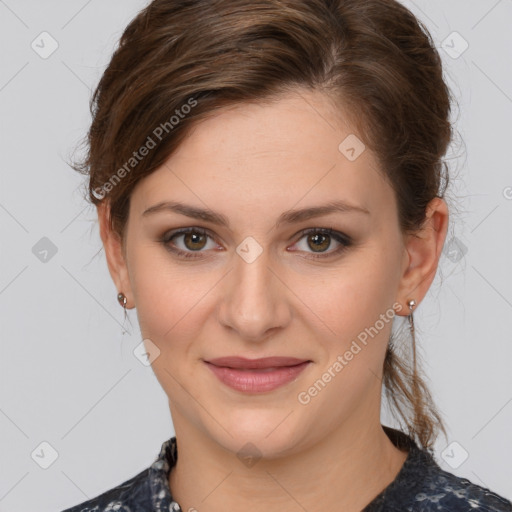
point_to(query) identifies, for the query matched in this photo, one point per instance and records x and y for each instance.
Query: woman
(269, 183)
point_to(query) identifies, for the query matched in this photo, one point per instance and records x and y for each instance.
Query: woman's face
(256, 286)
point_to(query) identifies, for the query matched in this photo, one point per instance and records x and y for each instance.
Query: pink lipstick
(256, 375)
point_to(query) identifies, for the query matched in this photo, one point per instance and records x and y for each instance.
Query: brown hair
(179, 62)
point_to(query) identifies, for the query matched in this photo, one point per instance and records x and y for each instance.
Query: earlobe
(114, 254)
(423, 250)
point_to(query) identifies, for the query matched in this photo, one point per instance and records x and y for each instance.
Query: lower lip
(257, 381)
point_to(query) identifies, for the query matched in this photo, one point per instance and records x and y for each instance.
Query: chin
(270, 434)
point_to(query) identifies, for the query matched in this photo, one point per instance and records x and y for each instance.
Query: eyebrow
(288, 217)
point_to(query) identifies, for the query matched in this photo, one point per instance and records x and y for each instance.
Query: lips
(257, 375)
(241, 363)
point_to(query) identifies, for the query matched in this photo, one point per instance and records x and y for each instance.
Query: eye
(321, 239)
(194, 240)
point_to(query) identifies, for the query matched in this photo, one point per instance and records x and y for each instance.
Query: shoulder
(430, 488)
(447, 492)
(442, 492)
(131, 495)
(423, 486)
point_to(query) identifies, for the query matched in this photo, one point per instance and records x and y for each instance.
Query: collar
(162, 500)
(159, 471)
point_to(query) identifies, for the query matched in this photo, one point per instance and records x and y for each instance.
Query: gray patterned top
(420, 486)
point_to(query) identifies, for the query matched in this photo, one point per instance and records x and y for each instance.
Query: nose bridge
(253, 304)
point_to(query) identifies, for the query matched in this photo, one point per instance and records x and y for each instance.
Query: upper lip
(265, 362)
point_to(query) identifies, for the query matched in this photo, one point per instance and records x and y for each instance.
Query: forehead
(296, 149)
(294, 125)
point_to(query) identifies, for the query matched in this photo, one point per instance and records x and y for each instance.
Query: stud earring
(122, 299)
(412, 304)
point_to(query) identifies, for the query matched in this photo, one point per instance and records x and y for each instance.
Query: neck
(345, 470)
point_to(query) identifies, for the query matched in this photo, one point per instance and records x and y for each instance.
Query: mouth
(257, 375)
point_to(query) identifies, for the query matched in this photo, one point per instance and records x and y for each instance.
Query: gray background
(68, 374)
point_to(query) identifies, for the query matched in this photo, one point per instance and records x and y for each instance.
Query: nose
(254, 299)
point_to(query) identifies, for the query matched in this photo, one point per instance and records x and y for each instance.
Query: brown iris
(194, 238)
(316, 237)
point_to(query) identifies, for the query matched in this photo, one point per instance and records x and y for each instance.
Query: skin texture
(251, 163)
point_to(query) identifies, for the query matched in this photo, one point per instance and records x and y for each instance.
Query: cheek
(171, 313)
(170, 309)
(168, 297)
(353, 296)
(355, 310)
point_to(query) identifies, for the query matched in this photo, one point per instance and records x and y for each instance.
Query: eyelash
(341, 238)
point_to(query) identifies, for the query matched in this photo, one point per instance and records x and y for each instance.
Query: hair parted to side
(179, 62)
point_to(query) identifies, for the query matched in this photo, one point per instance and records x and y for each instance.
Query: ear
(421, 255)
(116, 259)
